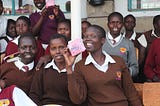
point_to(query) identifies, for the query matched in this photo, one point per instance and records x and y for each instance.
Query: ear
(103, 40)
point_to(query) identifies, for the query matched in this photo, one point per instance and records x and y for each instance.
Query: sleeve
(77, 86)
(36, 90)
(128, 87)
(150, 64)
(132, 60)
(33, 22)
(40, 50)
(21, 99)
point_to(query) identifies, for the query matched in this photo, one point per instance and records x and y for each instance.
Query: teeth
(28, 56)
(39, 4)
(89, 44)
(115, 29)
(58, 57)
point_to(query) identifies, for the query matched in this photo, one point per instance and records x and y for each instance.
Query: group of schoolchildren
(39, 70)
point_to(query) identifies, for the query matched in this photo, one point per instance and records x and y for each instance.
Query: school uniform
(152, 64)
(49, 86)
(102, 85)
(13, 73)
(49, 24)
(134, 38)
(124, 48)
(13, 96)
(145, 40)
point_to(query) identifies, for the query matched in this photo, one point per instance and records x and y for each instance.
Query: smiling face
(39, 3)
(56, 49)
(27, 49)
(93, 40)
(115, 24)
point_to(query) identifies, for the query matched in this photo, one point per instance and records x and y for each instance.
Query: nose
(57, 50)
(28, 49)
(62, 32)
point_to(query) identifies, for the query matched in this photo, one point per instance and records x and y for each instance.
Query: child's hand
(44, 12)
(43, 61)
(56, 10)
(69, 59)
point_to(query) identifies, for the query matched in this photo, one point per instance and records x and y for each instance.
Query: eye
(53, 48)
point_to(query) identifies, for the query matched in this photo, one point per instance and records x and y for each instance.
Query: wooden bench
(149, 93)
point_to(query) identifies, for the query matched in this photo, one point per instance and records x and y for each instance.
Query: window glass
(64, 5)
(18, 7)
(7, 4)
(143, 5)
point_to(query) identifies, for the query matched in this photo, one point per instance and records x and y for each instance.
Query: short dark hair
(115, 14)
(87, 22)
(156, 18)
(56, 36)
(26, 19)
(65, 21)
(129, 15)
(27, 35)
(100, 30)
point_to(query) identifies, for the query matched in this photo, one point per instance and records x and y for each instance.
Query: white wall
(122, 7)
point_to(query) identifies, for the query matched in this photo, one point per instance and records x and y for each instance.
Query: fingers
(44, 12)
(38, 66)
(43, 61)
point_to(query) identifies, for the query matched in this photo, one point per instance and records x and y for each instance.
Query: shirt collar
(16, 40)
(10, 38)
(108, 59)
(20, 64)
(153, 34)
(52, 63)
(39, 11)
(133, 37)
(117, 39)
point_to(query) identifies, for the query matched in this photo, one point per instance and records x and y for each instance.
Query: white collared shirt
(133, 37)
(104, 66)
(142, 39)
(153, 34)
(54, 67)
(21, 99)
(16, 40)
(10, 38)
(38, 10)
(117, 39)
(19, 65)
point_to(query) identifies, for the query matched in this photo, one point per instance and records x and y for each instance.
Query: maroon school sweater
(152, 65)
(7, 94)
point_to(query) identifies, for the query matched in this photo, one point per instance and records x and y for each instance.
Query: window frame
(13, 8)
(139, 8)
